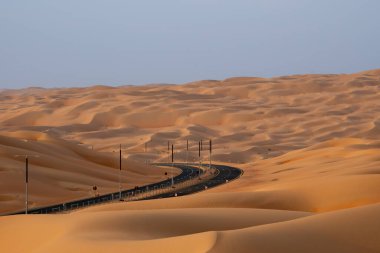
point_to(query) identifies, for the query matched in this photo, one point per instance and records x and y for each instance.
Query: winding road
(222, 174)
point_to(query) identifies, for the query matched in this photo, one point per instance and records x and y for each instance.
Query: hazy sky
(84, 42)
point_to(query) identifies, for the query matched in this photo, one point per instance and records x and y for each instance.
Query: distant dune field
(308, 144)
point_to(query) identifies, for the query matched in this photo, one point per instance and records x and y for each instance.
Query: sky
(50, 43)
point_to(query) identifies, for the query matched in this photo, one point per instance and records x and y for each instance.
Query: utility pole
(26, 179)
(26, 183)
(210, 153)
(120, 172)
(199, 155)
(172, 164)
(172, 153)
(199, 151)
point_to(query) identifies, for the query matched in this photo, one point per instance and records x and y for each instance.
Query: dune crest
(308, 144)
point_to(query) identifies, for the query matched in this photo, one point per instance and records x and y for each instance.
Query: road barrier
(205, 178)
(207, 174)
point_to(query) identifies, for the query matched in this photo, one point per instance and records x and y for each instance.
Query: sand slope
(138, 230)
(308, 145)
(62, 171)
(185, 230)
(351, 230)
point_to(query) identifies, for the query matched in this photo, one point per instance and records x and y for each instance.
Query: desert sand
(308, 144)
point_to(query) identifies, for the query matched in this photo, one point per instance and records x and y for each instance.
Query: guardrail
(207, 175)
(204, 178)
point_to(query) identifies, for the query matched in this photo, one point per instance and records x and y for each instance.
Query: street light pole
(172, 163)
(26, 179)
(210, 153)
(26, 183)
(199, 155)
(120, 172)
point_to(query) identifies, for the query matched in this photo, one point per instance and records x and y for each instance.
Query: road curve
(224, 174)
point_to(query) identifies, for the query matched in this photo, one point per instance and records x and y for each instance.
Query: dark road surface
(223, 175)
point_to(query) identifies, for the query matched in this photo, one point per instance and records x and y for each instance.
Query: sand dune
(63, 169)
(185, 230)
(138, 230)
(351, 230)
(308, 145)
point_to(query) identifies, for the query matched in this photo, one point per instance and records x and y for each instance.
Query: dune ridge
(308, 145)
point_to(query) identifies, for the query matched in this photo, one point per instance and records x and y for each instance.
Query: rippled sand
(308, 145)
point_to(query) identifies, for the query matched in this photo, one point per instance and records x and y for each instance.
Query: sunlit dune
(308, 145)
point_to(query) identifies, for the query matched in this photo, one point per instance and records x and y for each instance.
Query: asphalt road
(224, 174)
